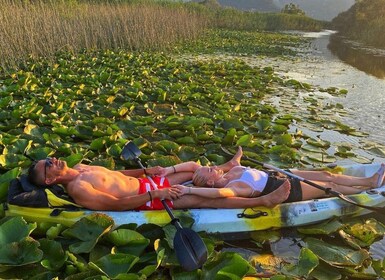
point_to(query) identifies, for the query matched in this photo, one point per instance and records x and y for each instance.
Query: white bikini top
(254, 178)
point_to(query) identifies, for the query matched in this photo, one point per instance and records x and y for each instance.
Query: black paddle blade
(130, 151)
(191, 251)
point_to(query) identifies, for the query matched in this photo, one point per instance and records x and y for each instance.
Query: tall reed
(33, 29)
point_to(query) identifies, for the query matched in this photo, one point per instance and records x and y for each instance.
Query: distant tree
(292, 9)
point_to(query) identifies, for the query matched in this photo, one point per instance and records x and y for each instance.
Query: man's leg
(269, 200)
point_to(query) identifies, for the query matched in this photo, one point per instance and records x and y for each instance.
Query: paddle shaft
(190, 249)
(174, 220)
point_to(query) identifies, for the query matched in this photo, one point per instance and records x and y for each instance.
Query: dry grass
(40, 29)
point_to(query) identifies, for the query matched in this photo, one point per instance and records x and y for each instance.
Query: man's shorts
(274, 183)
(146, 186)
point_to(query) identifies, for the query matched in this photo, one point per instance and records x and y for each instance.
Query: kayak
(229, 220)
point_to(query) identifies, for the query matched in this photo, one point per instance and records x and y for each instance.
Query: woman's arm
(206, 192)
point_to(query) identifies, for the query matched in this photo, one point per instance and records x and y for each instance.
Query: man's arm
(85, 195)
(133, 172)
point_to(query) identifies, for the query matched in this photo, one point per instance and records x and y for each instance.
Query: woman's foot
(278, 196)
(236, 160)
(378, 177)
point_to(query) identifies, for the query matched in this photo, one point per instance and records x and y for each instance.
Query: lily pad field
(177, 105)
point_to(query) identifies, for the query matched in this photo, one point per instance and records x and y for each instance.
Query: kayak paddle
(326, 190)
(190, 249)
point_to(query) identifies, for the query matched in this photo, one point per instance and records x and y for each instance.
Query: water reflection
(369, 60)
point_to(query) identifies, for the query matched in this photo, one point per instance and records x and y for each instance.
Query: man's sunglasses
(48, 163)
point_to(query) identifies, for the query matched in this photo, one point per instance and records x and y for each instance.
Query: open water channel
(332, 61)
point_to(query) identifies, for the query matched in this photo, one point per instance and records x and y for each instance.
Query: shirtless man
(98, 188)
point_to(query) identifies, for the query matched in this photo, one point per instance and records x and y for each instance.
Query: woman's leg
(344, 180)
(310, 192)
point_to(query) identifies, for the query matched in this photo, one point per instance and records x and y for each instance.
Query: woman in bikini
(249, 182)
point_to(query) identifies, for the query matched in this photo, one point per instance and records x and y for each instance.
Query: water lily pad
(87, 232)
(337, 256)
(263, 125)
(368, 232)
(227, 264)
(113, 265)
(326, 227)
(5, 179)
(187, 153)
(244, 140)
(128, 241)
(307, 262)
(16, 246)
(163, 161)
(54, 255)
(267, 264)
(167, 146)
(320, 158)
(325, 272)
(24, 252)
(318, 143)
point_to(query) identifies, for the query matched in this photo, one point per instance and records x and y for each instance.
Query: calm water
(337, 62)
(332, 61)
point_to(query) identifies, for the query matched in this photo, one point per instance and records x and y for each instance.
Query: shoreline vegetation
(31, 30)
(363, 22)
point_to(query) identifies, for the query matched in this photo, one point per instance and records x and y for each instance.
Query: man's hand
(156, 170)
(182, 189)
(168, 193)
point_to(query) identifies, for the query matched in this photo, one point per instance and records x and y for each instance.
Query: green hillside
(363, 22)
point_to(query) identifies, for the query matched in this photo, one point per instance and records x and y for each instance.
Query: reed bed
(30, 30)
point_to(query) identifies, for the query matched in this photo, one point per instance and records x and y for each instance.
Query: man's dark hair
(33, 174)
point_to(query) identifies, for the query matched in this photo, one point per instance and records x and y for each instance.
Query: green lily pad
(227, 264)
(16, 246)
(113, 265)
(14, 230)
(318, 143)
(337, 256)
(87, 232)
(128, 241)
(20, 253)
(326, 227)
(167, 146)
(5, 180)
(307, 262)
(54, 255)
(244, 140)
(368, 232)
(325, 272)
(187, 153)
